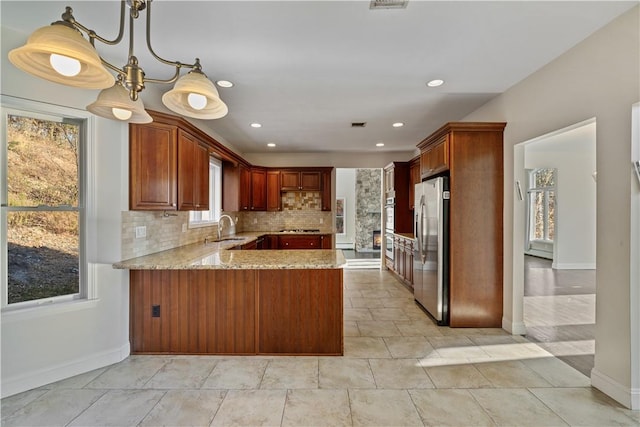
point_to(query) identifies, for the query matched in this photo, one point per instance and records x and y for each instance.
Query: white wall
(573, 154)
(346, 187)
(50, 343)
(597, 78)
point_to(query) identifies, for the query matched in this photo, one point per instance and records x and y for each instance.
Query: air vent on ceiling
(358, 124)
(388, 4)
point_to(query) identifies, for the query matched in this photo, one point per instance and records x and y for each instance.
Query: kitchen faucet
(232, 225)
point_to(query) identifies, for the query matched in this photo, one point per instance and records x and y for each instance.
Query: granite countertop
(218, 255)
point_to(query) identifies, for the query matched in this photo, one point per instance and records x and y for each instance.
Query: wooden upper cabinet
(258, 189)
(326, 191)
(435, 158)
(193, 173)
(414, 178)
(301, 180)
(274, 198)
(202, 178)
(152, 167)
(168, 169)
(245, 187)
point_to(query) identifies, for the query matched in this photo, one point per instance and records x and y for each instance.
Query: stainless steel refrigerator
(431, 256)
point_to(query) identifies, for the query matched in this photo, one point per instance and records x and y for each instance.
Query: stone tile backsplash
(164, 231)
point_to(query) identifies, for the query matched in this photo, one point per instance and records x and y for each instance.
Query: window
(541, 205)
(210, 217)
(43, 208)
(340, 210)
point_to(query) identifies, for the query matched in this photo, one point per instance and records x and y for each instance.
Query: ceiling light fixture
(59, 53)
(398, 125)
(114, 103)
(380, 144)
(435, 83)
(255, 125)
(224, 83)
(271, 144)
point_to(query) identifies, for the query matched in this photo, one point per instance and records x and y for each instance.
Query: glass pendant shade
(195, 82)
(114, 103)
(68, 46)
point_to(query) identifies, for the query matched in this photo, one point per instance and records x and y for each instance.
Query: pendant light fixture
(114, 103)
(61, 54)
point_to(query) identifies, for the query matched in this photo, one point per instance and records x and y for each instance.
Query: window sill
(10, 314)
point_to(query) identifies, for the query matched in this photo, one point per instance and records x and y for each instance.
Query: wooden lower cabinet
(199, 311)
(402, 264)
(300, 312)
(236, 312)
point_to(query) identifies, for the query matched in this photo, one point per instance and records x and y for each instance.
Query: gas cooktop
(300, 230)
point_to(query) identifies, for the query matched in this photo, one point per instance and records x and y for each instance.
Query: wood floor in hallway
(559, 311)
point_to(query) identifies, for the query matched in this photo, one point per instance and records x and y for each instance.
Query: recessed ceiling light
(256, 125)
(271, 144)
(380, 144)
(435, 83)
(398, 125)
(224, 83)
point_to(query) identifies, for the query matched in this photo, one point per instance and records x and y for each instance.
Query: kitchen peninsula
(212, 299)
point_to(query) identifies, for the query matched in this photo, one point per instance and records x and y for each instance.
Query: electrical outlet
(141, 231)
(184, 228)
(321, 220)
(255, 220)
(155, 311)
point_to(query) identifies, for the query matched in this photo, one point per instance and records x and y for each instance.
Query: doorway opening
(555, 241)
(359, 216)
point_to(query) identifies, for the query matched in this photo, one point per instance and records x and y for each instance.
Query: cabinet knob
(312, 244)
(173, 204)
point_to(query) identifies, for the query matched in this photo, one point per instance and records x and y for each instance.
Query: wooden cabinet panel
(274, 198)
(414, 178)
(152, 167)
(169, 169)
(270, 241)
(300, 312)
(435, 158)
(473, 155)
(402, 264)
(290, 180)
(202, 178)
(397, 184)
(187, 146)
(220, 305)
(310, 181)
(327, 199)
(300, 241)
(293, 180)
(245, 187)
(258, 189)
(193, 173)
(326, 241)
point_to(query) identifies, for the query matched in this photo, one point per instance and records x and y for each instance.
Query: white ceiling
(306, 70)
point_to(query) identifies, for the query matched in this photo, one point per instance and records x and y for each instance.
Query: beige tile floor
(399, 369)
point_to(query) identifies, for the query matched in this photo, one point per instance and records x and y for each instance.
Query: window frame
(215, 197)
(531, 191)
(86, 201)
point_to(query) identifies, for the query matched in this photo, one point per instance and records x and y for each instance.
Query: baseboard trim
(514, 328)
(19, 383)
(626, 396)
(573, 266)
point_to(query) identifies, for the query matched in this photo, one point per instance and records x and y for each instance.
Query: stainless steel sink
(224, 239)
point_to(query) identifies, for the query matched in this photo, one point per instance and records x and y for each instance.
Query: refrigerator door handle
(423, 227)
